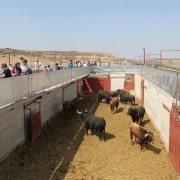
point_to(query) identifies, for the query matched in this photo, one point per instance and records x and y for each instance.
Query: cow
(114, 103)
(136, 114)
(71, 105)
(143, 136)
(127, 98)
(104, 95)
(93, 123)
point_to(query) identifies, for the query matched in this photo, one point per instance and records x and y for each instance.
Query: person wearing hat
(26, 69)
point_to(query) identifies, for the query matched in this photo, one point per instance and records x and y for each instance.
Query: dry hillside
(49, 57)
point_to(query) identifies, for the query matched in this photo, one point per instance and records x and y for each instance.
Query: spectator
(45, 69)
(6, 73)
(26, 69)
(70, 65)
(56, 67)
(37, 64)
(49, 68)
(16, 71)
(107, 63)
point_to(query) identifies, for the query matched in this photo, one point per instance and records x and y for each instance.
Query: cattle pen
(39, 142)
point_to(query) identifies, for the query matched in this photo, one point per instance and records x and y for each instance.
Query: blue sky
(121, 27)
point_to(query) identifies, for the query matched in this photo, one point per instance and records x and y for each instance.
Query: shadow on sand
(144, 122)
(152, 148)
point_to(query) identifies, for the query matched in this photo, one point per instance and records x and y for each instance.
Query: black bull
(93, 123)
(107, 95)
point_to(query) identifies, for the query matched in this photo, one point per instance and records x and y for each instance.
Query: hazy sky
(121, 27)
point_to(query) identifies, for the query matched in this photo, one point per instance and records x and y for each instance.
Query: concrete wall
(12, 128)
(138, 85)
(154, 99)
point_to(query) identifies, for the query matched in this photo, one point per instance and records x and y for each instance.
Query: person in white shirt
(26, 69)
(37, 64)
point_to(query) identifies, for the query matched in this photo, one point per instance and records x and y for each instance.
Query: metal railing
(21, 87)
(18, 88)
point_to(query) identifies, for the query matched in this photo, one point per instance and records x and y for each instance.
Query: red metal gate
(174, 138)
(96, 84)
(35, 126)
(129, 82)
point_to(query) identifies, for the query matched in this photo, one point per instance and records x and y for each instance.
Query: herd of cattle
(98, 124)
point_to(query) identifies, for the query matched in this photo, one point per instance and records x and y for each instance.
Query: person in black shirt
(6, 73)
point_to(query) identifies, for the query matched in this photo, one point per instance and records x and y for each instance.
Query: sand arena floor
(63, 151)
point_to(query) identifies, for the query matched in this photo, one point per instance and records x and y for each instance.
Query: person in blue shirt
(70, 65)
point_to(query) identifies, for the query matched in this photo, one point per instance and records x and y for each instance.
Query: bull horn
(79, 112)
(155, 134)
(146, 135)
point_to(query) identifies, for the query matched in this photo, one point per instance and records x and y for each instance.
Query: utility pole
(144, 56)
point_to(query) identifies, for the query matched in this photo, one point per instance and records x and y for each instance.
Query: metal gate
(35, 125)
(174, 138)
(129, 82)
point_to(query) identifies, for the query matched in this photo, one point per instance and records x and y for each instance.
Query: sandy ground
(63, 151)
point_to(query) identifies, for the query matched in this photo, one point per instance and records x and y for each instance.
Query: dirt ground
(63, 151)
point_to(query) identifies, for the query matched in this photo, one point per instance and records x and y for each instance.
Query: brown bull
(71, 105)
(143, 136)
(114, 103)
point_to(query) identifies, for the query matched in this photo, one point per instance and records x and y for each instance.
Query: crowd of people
(24, 69)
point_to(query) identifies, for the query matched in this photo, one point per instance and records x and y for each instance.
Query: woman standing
(16, 71)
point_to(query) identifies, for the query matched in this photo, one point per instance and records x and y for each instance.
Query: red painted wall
(96, 84)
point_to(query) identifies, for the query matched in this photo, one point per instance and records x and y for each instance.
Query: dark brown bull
(143, 136)
(114, 103)
(71, 105)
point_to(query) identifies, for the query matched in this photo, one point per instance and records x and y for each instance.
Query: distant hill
(49, 57)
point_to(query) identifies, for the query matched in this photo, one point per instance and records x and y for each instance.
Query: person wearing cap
(26, 69)
(6, 73)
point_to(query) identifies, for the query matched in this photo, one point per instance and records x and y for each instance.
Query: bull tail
(104, 135)
(134, 99)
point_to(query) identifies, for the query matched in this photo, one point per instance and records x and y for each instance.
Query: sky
(120, 27)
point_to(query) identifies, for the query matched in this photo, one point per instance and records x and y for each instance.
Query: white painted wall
(154, 98)
(117, 81)
(12, 129)
(70, 92)
(138, 85)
